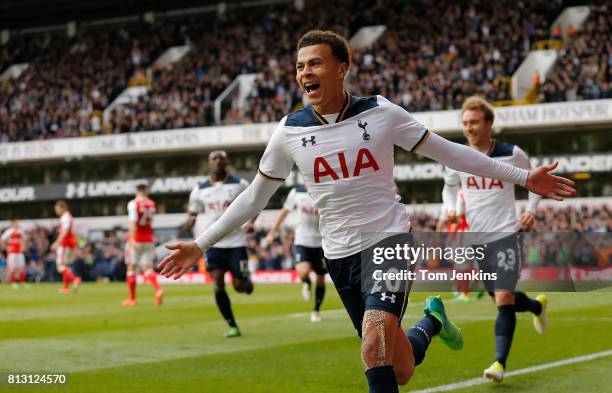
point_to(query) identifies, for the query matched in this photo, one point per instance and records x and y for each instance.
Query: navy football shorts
(504, 258)
(234, 260)
(346, 275)
(312, 255)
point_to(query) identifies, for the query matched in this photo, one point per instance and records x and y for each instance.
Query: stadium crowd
(71, 80)
(584, 68)
(416, 64)
(103, 258)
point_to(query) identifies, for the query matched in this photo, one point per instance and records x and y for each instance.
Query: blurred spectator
(421, 66)
(414, 63)
(69, 79)
(584, 68)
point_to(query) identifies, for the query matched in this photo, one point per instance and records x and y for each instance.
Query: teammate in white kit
(140, 247)
(64, 245)
(491, 212)
(208, 201)
(307, 244)
(13, 240)
(343, 147)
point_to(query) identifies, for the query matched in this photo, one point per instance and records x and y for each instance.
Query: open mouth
(311, 87)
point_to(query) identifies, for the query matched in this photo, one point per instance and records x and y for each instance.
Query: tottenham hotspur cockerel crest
(365, 136)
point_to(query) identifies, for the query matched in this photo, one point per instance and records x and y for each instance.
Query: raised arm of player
(274, 167)
(246, 206)
(411, 135)
(465, 159)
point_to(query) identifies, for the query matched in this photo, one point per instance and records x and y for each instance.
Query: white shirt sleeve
(406, 131)
(276, 162)
(522, 161)
(65, 221)
(132, 213)
(466, 159)
(290, 202)
(195, 204)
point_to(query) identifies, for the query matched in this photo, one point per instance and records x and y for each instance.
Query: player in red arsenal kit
(65, 244)
(13, 239)
(139, 249)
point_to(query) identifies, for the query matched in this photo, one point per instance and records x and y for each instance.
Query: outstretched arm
(465, 159)
(411, 135)
(274, 167)
(246, 206)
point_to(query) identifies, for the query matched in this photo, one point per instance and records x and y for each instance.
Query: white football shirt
(490, 204)
(347, 168)
(211, 200)
(307, 229)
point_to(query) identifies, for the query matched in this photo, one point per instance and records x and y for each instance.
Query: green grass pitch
(179, 347)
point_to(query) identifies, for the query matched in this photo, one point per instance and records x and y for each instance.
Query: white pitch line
(479, 381)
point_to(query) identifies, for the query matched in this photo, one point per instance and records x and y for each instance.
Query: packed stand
(71, 80)
(21, 49)
(260, 40)
(584, 68)
(252, 40)
(417, 65)
(421, 66)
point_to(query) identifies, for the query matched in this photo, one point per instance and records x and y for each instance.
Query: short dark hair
(339, 46)
(142, 187)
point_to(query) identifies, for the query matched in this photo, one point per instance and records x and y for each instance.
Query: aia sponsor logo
(217, 206)
(365, 160)
(483, 183)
